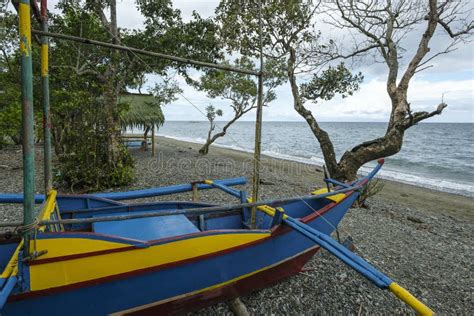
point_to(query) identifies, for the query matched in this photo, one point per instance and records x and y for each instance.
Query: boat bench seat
(148, 228)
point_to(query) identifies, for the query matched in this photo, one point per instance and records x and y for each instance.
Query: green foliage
(212, 112)
(89, 79)
(165, 92)
(374, 187)
(10, 80)
(10, 106)
(284, 23)
(166, 32)
(86, 81)
(88, 170)
(10, 123)
(332, 81)
(83, 157)
(241, 89)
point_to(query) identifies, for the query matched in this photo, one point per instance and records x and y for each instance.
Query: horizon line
(294, 121)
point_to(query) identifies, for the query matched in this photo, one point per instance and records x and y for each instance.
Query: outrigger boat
(95, 255)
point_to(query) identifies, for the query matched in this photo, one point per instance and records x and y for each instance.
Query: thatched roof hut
(143, 112)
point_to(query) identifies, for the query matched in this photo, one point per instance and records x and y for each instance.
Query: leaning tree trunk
(401, 119)
(388, 145)
(352, 160)
(321, 135)
(205, 148)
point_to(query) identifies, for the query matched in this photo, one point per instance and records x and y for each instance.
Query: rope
(27, 228)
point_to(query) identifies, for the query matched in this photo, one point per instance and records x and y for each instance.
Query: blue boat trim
(130, 195)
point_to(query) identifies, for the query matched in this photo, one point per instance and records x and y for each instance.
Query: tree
(87, 80)
(211, 114)
(289, 32)
(10, 107)
(240, 90)
(10, 75)
(383, 25)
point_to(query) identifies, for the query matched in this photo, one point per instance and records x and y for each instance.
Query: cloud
(372, 101)
(452, 73)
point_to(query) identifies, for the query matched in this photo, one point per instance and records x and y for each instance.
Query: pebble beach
(419, 237)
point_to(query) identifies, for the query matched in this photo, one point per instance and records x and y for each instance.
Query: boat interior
(170, 225)
(175, 223)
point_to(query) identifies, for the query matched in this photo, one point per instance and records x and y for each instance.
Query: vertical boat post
(152, 140)
(48, 177)
(27, 119)
(258, 125)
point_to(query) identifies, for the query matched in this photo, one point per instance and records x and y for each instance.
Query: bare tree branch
(384, 24)
(423, 48)
(420, 116)
(7, 60)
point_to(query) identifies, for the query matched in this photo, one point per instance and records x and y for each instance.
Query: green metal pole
(27, 118)
(48, 176)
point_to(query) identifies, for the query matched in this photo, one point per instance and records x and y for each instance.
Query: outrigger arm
(352, 260)
(358, 264)
(335, 248)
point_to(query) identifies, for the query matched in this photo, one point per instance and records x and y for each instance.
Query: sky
(451, 75)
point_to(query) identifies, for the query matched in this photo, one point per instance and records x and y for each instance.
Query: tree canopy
(86, 81)
(289, 32)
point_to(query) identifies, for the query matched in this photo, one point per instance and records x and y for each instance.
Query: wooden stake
(152, 140)
(238, 307)
(195, 192)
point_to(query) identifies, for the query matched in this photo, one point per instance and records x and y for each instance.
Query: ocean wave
(424, 181)
(388, 173)
(196, 140)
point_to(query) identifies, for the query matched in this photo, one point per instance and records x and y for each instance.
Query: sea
(438, 156)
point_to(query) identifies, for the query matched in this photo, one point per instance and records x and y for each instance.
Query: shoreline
(422, 162)
(386, 173)
(408, 195)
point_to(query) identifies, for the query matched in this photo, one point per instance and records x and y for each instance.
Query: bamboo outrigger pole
(145, 52)
(48, 175)
(258, 124)
(27, 119)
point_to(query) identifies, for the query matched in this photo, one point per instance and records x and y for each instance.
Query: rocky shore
(420, 238)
